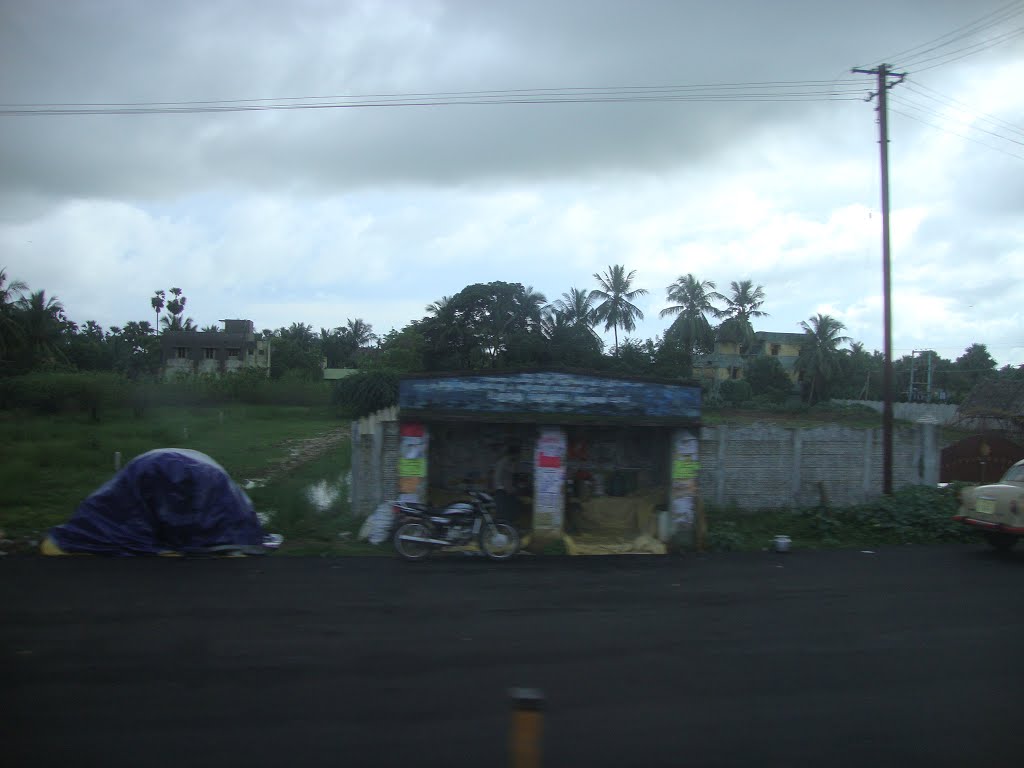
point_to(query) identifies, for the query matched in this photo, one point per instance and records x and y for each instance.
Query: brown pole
(527, 728)
(883, 130)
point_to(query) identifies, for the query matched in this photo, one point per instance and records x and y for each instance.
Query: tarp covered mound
(165, 501)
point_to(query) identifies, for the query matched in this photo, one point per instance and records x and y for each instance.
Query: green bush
(49, 393)
(365, 392)
(736, 391)
(768, 379)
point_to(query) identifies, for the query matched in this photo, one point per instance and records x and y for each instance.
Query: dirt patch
(301, 451)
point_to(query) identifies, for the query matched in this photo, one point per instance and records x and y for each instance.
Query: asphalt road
(903, 657)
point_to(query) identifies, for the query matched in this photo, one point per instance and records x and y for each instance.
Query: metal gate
(979, 459)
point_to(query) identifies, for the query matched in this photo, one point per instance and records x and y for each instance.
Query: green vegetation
(915, 515)
(365, 392)
(309, 506)
(50, 462)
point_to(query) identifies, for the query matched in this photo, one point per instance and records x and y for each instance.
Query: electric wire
(955, 133)
(909, 102)
(783, 91)
(984, 45)
(922, 90)
(991, 19)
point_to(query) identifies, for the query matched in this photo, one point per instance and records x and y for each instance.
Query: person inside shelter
(504, 484)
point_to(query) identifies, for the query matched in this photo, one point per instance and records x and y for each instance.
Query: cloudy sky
(319, 215)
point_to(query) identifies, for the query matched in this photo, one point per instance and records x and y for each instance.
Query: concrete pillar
(365, 460)
(723, 432)
(869, 454)
(685, 468)
(357, 482)
(797, 460)
(930, 453)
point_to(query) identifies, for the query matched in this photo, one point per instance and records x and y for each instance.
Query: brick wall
(766, 466)
(753, 467)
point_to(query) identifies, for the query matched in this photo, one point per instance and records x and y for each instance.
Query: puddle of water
(323, 494)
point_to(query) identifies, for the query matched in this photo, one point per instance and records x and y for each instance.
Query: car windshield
(1014, 474)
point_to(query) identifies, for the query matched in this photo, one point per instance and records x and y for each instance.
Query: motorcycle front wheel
(499, 541)
(412, 550)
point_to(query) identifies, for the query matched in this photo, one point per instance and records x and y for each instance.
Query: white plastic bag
(377, 528)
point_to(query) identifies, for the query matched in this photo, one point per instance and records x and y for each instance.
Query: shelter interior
(617, 478)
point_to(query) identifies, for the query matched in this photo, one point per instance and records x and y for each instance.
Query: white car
(997, 510)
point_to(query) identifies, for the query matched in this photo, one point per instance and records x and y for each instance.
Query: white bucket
(782, 543)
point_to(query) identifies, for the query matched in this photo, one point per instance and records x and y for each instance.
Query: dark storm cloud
(131, 51)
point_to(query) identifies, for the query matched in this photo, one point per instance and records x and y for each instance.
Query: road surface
(895, 658)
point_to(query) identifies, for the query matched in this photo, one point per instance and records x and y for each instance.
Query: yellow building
(727, 362)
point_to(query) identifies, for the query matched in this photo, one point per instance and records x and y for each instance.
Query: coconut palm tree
(616, 308)
(692, 301)
(438, 307)
(576, 308)
(43, 324)
(741, 307)
(361, 332)
(819, 358)
(10, 332)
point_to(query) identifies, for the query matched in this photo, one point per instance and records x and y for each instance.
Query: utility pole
(883, 74)
(928, 391)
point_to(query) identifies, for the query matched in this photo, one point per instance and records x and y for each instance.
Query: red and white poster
(549, 479)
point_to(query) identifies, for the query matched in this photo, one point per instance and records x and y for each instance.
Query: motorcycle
(422, 529)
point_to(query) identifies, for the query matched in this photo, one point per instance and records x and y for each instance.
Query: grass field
(48, 464)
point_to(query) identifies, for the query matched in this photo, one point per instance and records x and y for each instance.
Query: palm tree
(692, 303)
(534, 302)
(819, 353)
(158, 303)
(175, 323)
(744, 305)
(10, 331)
(176, 307)
(438, 307)
(210, 329)
(361, 332)
(616, 307)
(577, 309)
(43, 324)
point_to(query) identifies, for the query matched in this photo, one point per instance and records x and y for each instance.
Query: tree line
(498, 325)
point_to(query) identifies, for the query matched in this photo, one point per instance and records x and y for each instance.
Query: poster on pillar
(412, 463)
(685, 467)
(549, 479)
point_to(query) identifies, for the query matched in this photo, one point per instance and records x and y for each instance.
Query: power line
(924, 91)
(971, 50)
(907, 102)
(783, 91)
(569, 90)
(954, 133)
(991, 19)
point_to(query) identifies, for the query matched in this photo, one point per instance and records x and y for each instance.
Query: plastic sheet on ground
(170, 501)
(604, 544)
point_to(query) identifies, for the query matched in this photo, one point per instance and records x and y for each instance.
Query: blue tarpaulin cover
(170, 500)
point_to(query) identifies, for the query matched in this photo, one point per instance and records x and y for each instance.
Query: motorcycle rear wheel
(500, 541)
(412, 550)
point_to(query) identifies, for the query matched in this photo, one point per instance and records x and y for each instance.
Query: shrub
(365, 392)
(768, 379)
(90, 393)
(735, 391)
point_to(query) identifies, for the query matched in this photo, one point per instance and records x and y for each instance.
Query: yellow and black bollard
(527, 728)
